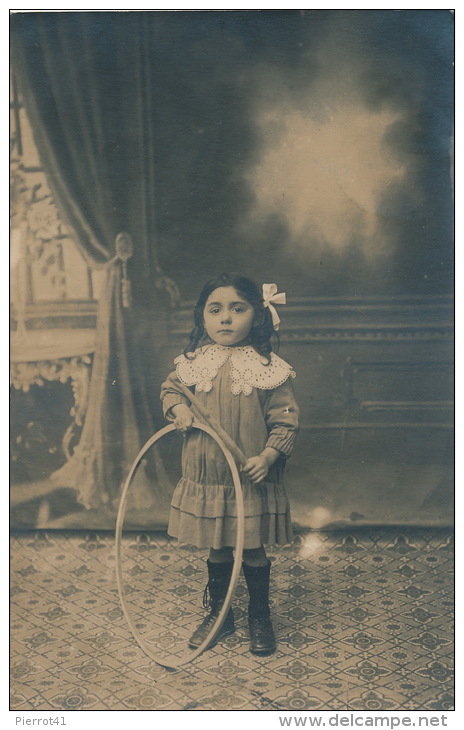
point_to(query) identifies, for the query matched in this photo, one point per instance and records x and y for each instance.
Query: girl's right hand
(183, 418)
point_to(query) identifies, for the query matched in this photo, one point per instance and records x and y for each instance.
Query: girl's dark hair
(262, 337)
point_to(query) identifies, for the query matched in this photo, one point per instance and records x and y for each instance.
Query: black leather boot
(259, 619)
(215, 592)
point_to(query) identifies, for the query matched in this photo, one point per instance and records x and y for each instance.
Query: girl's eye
(238, 309)
(214, 311)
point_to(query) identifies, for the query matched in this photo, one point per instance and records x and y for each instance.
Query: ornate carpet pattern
(364, 622)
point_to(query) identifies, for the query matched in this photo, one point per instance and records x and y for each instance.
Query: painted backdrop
(313, 149)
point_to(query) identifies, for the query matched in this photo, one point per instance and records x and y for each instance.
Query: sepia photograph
(231, 363)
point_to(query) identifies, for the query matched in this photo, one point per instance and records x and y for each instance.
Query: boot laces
(261, 624)
(207, 597)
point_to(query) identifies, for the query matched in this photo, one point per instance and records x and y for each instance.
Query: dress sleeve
(282, 418)
(171, 395)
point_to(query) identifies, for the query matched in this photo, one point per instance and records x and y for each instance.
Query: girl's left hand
(257, 467)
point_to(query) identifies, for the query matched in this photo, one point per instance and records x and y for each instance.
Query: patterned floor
(364, 622)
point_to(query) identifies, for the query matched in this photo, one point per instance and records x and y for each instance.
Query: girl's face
(227, 316)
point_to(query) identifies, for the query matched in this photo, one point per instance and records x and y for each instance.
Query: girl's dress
(255, 404)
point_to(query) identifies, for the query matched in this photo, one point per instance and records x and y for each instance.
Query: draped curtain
(87, 80)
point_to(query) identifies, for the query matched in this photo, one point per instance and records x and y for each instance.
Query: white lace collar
(248, 369)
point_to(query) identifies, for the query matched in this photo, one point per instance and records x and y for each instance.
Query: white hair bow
(270, 295)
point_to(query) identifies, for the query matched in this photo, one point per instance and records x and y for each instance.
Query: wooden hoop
(173, 662)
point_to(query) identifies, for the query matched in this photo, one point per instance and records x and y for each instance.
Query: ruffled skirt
(206, 516)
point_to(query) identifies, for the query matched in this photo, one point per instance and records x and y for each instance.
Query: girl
(230, 366)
